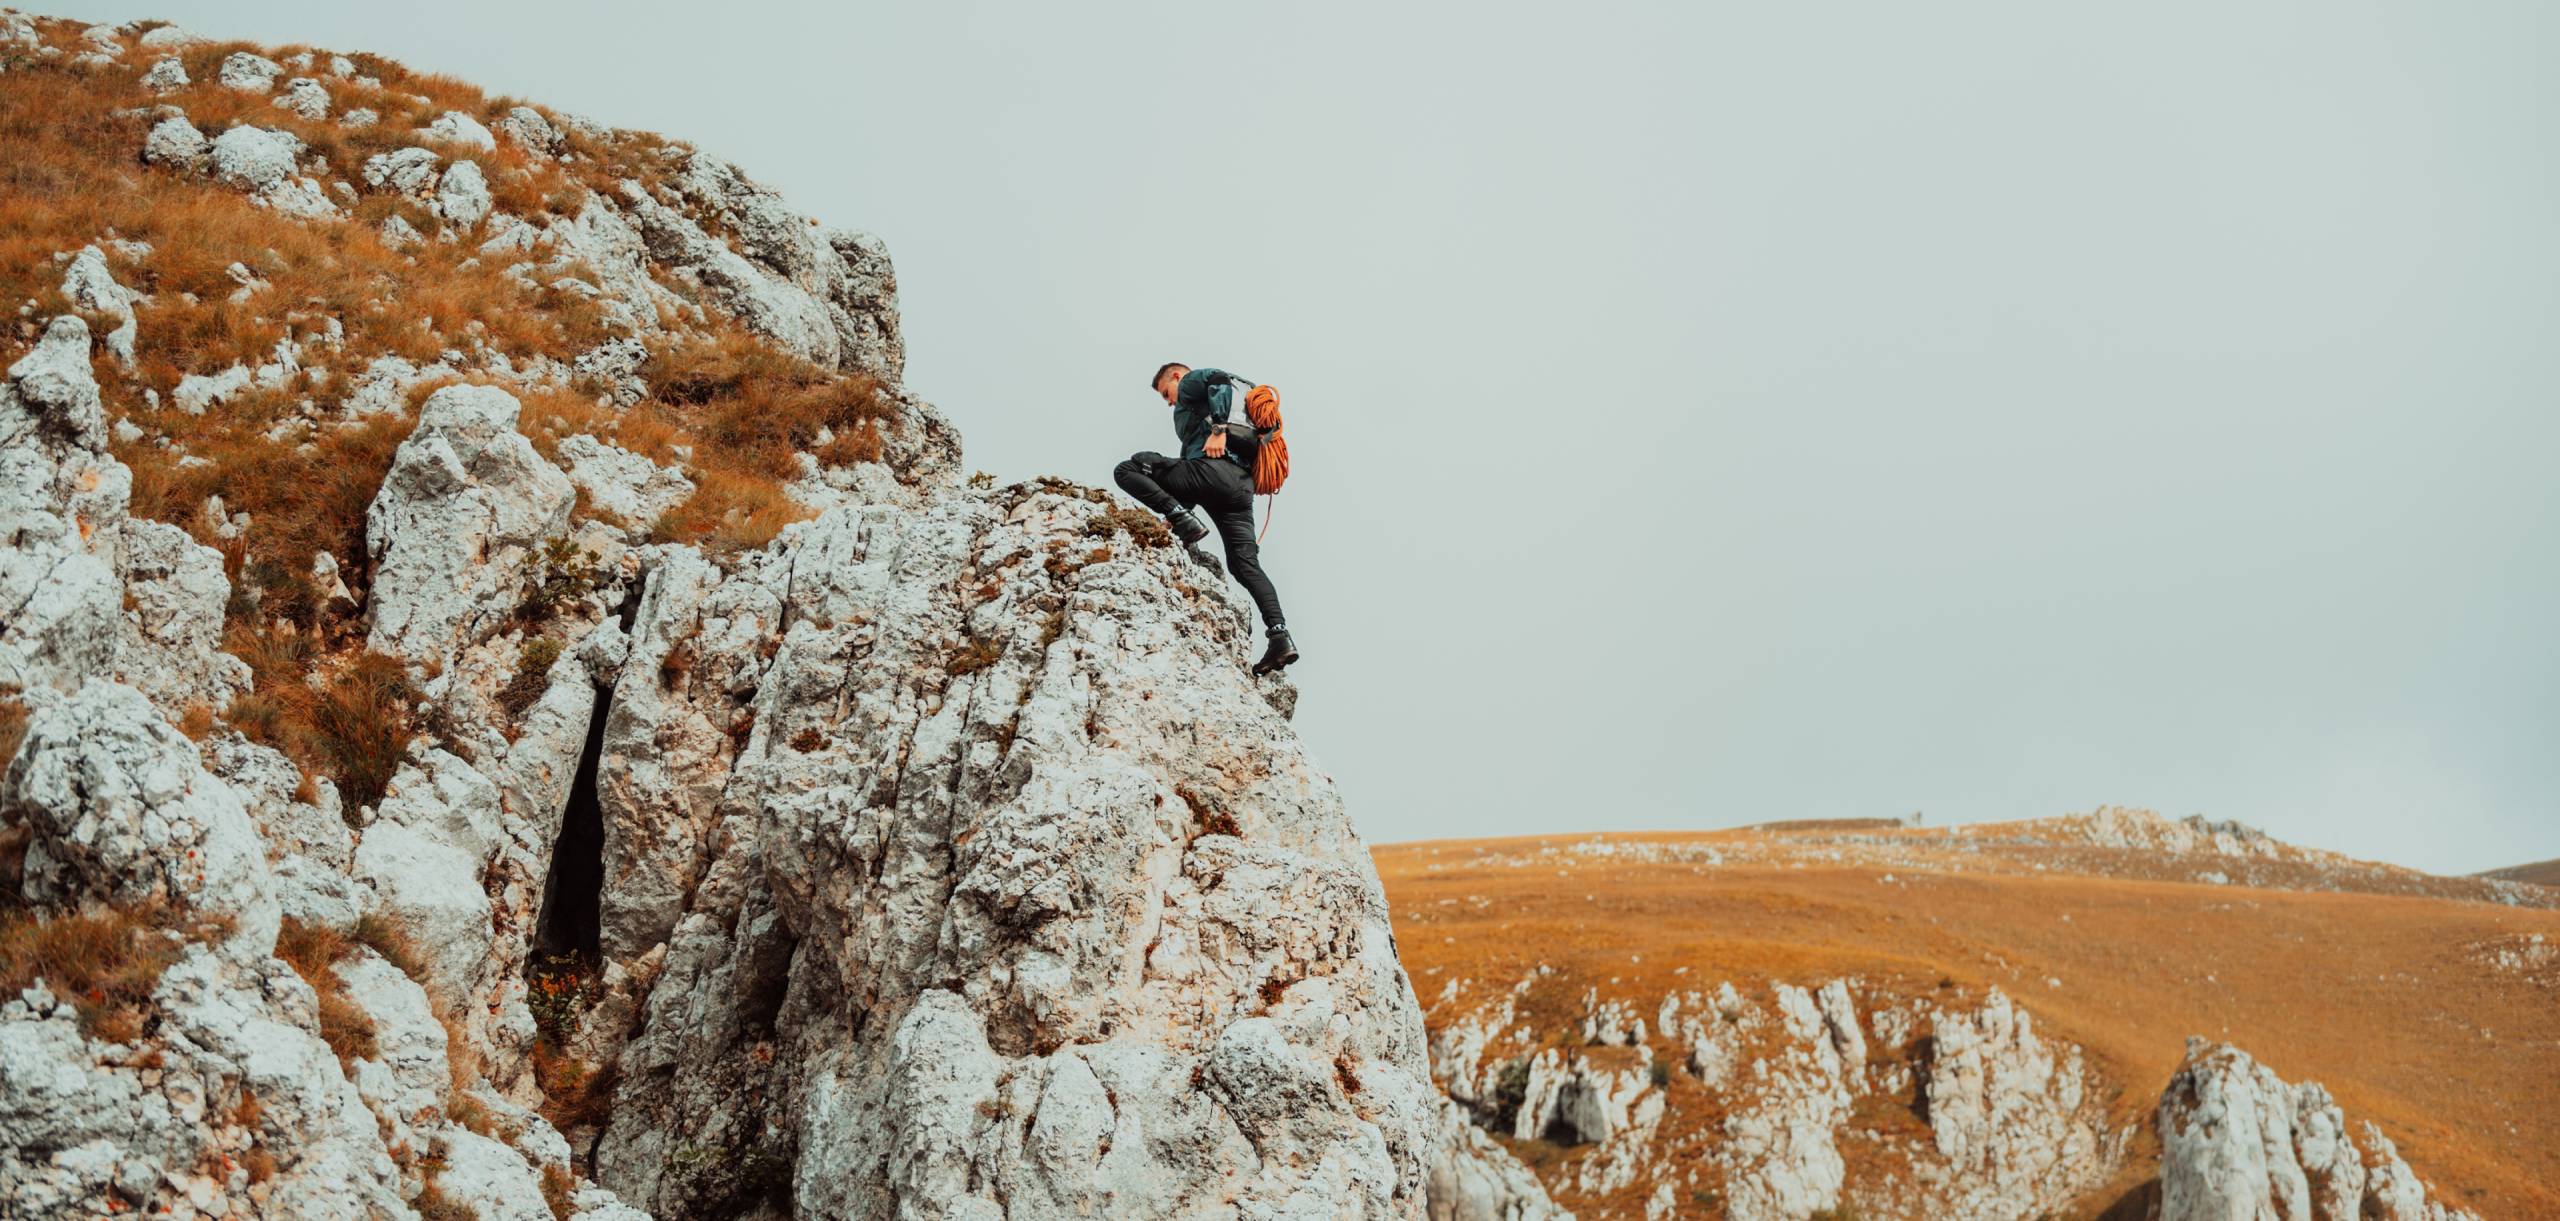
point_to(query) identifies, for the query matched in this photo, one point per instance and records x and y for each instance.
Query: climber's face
(1167, 384)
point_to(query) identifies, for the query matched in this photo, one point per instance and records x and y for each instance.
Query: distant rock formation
(2237, 1142)
(2014, 1126)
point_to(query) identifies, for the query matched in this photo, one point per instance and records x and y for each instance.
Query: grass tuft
(105, 962)
(313, 951)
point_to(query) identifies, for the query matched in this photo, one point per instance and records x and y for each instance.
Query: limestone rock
(455, 127)
(2236, 1141)
(621, 482)
(409, 171)
(462, 194)
(991, 867)
(525, 126)
(91, 286)
(119, 809)
(263, 162)
(95, 594)
(2011, 1114)
(1471, 1178)
(249, 72)
(466, 500)
(166, 76)
(305, 97)
(169, 38)
(175, 142)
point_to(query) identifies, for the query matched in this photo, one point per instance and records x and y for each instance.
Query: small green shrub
(532, 676)
(1511, 1089)
(558, 575)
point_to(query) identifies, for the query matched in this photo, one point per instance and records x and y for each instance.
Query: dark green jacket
(1202, 401)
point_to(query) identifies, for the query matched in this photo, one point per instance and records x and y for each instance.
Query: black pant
(1224, 491)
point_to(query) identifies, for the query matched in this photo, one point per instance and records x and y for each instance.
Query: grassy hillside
(2426, 1005)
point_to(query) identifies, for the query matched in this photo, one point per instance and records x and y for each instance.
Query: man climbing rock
(1217, 472)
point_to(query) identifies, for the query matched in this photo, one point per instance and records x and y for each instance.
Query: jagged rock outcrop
(2239, 1144)
(2013, 1128)
(465, 503)
(937, 857)
(74, 559)
(1036, 905)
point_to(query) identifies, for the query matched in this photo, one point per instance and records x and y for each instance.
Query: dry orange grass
(2372, 995)
(2540, 873)
(735, 408)
(314, 951)
(105, 962)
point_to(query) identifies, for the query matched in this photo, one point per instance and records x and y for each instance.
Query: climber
(1215, 472)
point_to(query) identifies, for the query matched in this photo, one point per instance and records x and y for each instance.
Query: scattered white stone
(263, 162)
(462, 194)
(90, 286)
(305, 97)
(361, 116)
(166, 76)
(176, 143)
(455, 127)
(400, 234)
(169, 37)
(249, 73)
(525, 126)
(198, 391)
(409, 171)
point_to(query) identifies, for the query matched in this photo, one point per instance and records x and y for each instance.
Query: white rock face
(119, 809)
(830, 296)
(1014, 918)
(175, 142)
(455, 127)
(623, 483)
(305, 97)
(263, 162)
(525, 126)
(1473, 1179)
(2010, 1112)
(466, 501)
(2014, 1127)
(90, 285)
(167, 76)
(73, 560)
(462, 194)
(249, 72)
(2237, 1142)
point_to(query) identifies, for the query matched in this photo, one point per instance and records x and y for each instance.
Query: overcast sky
(1717, 413)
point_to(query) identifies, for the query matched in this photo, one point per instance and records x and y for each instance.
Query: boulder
(466, 502)
(248, 72)
(462, 194)
(175, 142)
(305, 97)
(118, 809)
(455, 127)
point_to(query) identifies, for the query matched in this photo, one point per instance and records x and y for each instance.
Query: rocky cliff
(511, 713)
(2237, 1141)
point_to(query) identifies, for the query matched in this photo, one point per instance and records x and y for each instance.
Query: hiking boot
(1282, 651)
(1187, 526)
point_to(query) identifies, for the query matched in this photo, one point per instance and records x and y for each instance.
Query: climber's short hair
(1156, 383)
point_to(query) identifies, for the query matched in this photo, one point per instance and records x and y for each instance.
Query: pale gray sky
(1710, 413)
